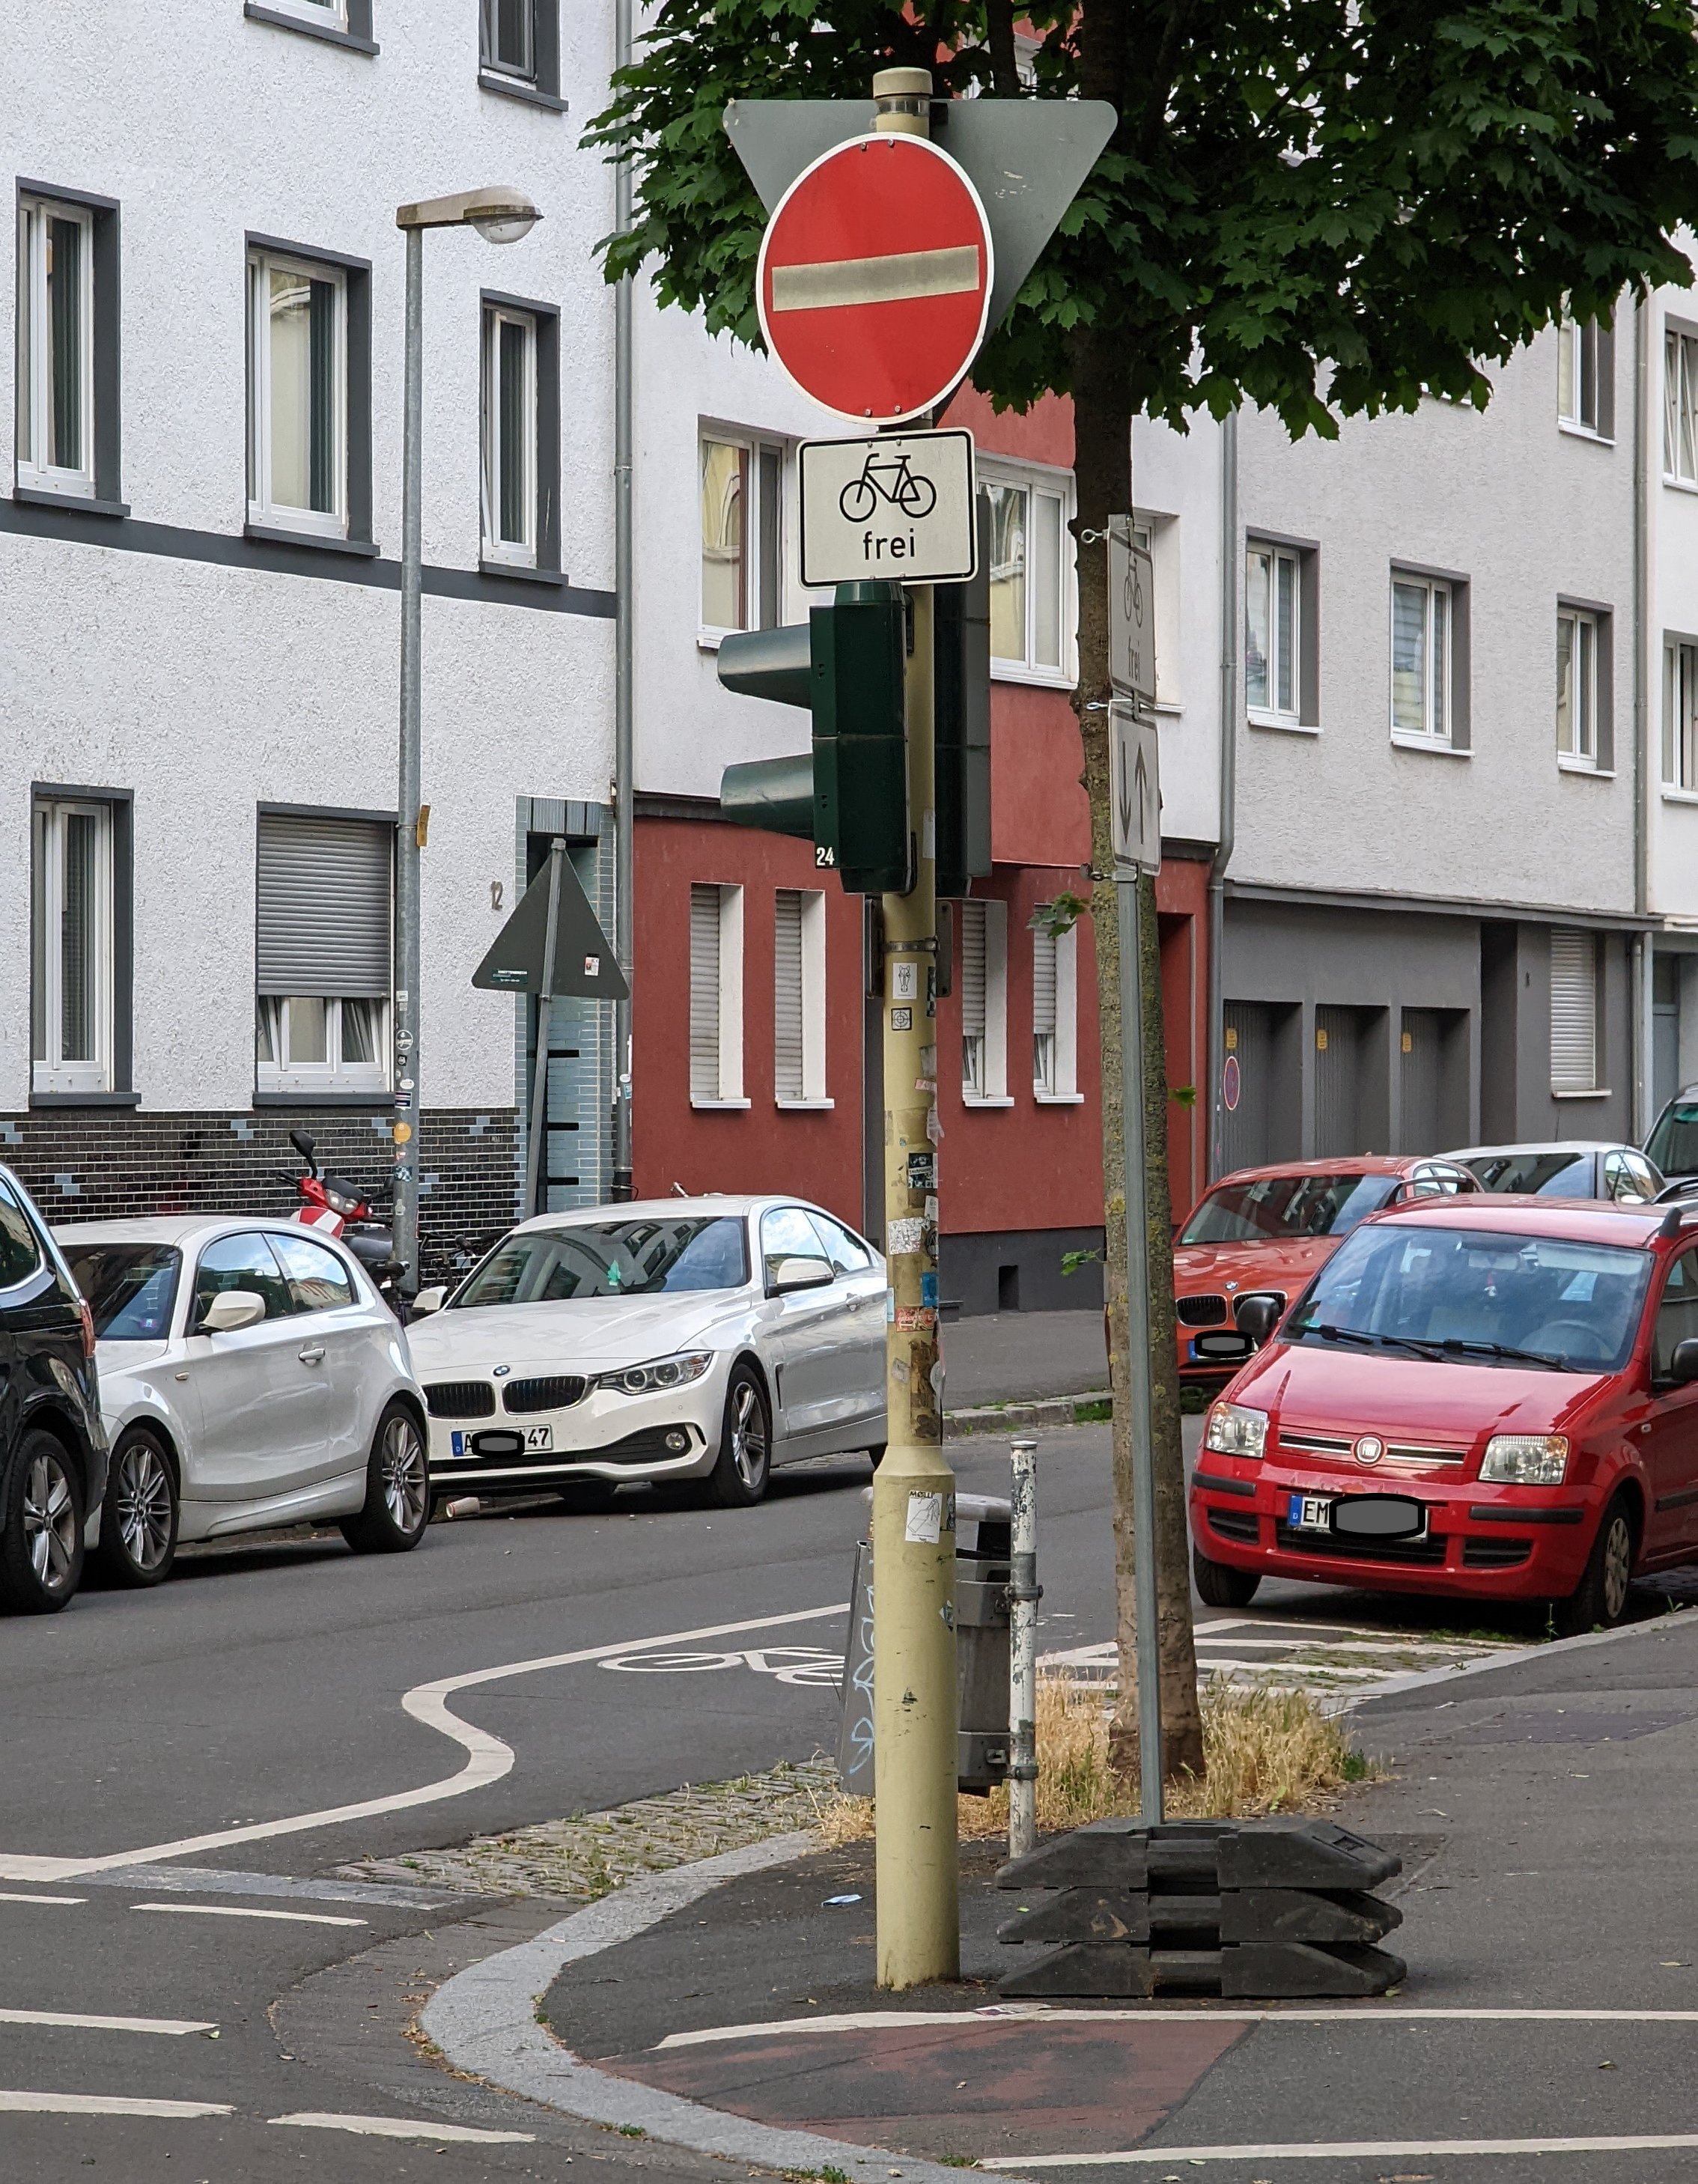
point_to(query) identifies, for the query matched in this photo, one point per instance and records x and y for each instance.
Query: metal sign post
(545, 1004)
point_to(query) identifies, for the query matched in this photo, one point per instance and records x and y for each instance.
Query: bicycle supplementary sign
(898, 506)
(873, 284)
(1132, 614)
(1135, 790)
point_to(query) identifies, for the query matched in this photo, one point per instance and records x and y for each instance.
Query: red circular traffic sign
(873, 284)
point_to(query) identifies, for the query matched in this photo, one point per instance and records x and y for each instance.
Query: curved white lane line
(487, 1758)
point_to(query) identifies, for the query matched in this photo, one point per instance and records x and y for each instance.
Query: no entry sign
(875, 275)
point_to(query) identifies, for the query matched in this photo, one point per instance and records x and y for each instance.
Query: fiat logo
(1369, 1449)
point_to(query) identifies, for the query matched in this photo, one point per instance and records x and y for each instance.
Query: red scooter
(339, 1206)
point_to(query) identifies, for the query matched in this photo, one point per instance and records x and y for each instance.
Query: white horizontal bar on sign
(902, 277)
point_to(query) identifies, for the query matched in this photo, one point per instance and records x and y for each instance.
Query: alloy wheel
(748, 1437)
(406, 1484)
(141, 1494)
(49, 1523)
(1618, 1567)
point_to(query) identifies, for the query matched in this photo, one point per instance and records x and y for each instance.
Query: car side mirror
(1257, 1317)
(231, 1309)
(430, 1299)
(1682, 1366)
(799, 1274)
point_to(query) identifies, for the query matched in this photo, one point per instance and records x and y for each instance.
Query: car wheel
(138, 1518)
(589, 1497)
(398, 1490)
(1600, 1601)
(738, 1480)
(1219, 1586)
(41, 1528)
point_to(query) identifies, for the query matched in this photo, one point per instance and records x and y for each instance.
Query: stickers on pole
(900, 507)
(1135, 791)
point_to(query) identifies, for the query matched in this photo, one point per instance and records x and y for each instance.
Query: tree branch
(998, 28)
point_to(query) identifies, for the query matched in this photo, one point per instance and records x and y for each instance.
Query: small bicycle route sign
(899, 506)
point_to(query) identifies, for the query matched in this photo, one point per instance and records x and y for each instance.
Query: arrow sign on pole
(1134, 752)
(584, 963)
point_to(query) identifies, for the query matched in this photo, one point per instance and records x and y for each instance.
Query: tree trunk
(1102, 467)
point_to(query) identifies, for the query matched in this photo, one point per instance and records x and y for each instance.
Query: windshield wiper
(1330, 1334)
(1434, 1346)
(1456, 1343)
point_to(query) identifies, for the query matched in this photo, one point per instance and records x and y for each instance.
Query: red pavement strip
(1074, 2088)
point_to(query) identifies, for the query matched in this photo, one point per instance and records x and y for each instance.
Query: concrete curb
(1519, 1656)
(484, 2021)
(1012, 1417)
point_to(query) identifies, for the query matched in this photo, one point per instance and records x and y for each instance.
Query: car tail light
(87, 1318)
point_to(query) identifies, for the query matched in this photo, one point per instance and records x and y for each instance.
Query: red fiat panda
(1488, 1397)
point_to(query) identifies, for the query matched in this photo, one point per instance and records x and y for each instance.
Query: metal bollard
(1024, 1593)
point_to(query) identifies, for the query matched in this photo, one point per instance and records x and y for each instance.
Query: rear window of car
(1674, 1144)
(21, 1250)
(1542, 1175)
(1279, 1208)
(131, 1288)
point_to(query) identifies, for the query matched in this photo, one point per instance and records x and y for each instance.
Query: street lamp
(499, 215)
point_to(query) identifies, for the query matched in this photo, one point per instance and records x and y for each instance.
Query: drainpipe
(624, 767)
(1643, 949)
(1229, 803)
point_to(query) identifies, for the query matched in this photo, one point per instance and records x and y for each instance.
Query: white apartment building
(201, 353)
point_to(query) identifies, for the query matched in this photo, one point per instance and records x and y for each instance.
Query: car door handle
(313, 1354)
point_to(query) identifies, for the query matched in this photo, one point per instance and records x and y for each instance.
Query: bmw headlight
(656, 1378)
(1235, 1429)
(1526, 1459)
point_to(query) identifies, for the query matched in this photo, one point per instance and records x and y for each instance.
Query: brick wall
(99, 1165)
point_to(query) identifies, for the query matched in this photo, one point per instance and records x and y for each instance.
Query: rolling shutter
(972, 970)
(1043, 981)
(1573, 1011)
(325, 913)
(787, 1076)
(704, 993)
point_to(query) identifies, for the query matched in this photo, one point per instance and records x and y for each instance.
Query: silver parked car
(1578, 1168)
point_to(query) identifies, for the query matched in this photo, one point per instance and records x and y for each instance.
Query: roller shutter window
(704, 993)
(1043, 1048)
(788, 1076)
(323, 942)
(972, 978)
(1573, 1011)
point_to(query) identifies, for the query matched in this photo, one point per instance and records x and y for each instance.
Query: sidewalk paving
(1544, 1811)
(1000, 1357)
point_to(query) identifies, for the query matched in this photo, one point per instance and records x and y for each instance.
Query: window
(1577, 687)
(1680, 406)
(984, 986)
(1680, 715)
(787, 1232)
(1677, 1315)
(1055, 1010)
(309, 396)
(344, 22)
(1273, 635)
(742, 495)
(56, 346)
(21, 1250)
(1030, 624)
(798, 998)
(1421, 658)
(73, 936)
(716, 997)
(1585, 376)
(510, 437)
(325, 918)
(843, 1248)
(519, 48)
(245, 1264)
(317, 1279)
(1573, 1011)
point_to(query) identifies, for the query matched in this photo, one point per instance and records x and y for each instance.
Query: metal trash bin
(982, 1619)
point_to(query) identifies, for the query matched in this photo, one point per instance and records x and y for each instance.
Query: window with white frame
(298, 394)
(55, 382)
(1582, 348)
(1030, 561)
(1680, 406)
(510, 437)
(1421, 664)
(742, 506)
(324, 922)
(798, 998)
(1573, 1011)
(716, 996)
(1055, 1009)
(519, 48)
(982, 983)
(1577, 686)
(1273, 633)
(1680, 715)
(72, 935)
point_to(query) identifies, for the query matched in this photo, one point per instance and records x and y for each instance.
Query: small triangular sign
(585, 966)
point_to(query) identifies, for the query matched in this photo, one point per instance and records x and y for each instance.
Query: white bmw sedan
(250, 1377)
(699, 1338)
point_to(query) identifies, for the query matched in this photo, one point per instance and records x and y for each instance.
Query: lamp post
(499, 215)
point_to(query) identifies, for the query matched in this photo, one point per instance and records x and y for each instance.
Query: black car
(52, 1447)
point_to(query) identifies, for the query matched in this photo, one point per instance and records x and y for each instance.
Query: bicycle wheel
(857, 500)
(916, 496)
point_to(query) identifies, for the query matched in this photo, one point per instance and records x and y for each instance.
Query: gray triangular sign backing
(585, 966)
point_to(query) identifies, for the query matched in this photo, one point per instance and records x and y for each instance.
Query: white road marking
(1365, 2149)
(487, 1758)
(174, 2026)
(404, 2127)
(17, 1896)
(1037, 2013)
(17, 2103)
(249, 1911)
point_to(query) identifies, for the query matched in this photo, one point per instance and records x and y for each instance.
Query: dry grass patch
(1267, 1751)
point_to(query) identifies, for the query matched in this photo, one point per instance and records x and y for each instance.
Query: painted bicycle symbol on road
(895, 482)
(811, 1666)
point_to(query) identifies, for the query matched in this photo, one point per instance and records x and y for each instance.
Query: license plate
(1311, 1512)
(537, 1439)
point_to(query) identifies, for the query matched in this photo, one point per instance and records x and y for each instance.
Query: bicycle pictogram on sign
(916, 496)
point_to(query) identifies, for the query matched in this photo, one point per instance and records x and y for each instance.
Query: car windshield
(611, 1259)
(1278, 1207)
(1672, 1146)
(1542, 1175)
(1476, 1297)
(131, 1288)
